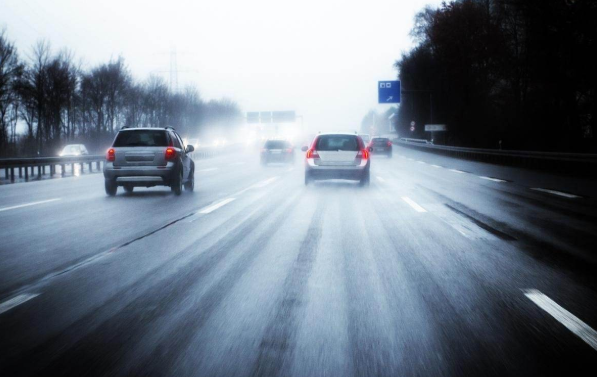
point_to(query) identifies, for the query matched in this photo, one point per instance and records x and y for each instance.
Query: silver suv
(146, 157)
(337, 156)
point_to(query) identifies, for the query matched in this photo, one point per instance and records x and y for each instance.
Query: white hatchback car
(337, 156)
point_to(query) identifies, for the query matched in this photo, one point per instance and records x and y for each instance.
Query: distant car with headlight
(73, 150)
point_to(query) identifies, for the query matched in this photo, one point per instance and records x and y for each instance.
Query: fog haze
(320, 58)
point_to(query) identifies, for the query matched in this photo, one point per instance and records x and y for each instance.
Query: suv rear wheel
(190, 184)
(308, 179)
(176, 185)
(365, 179)
(111, 187)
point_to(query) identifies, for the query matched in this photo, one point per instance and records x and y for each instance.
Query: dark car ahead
(380, 145)
(146, 157)
(277, 151)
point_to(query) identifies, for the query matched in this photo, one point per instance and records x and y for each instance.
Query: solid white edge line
(436, 166)
(572, 323)
(554, 192)
(213, 207)
(380, 179)
(415, 206)
(16, 301)
(28, 204)
(492, 179)
(421, 162)
(456, 171)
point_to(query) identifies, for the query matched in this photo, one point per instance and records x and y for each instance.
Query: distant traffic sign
(271, 117)
(388, 91)
(266, 116)
(283, 116)
(435, 127)
(253, 117)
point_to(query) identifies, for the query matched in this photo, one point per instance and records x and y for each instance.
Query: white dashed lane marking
(16, 301)
(414, 205)
(572, 323)
(493, 179)
(554, 192)
(28, 204)
(215, 206)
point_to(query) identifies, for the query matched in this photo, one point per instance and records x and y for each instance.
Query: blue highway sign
(388, 91)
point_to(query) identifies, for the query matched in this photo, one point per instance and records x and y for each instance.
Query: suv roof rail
(125, 127)
(170, 128)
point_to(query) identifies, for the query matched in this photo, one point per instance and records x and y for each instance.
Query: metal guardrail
(418, 141)
(544, 160)
(28, 168)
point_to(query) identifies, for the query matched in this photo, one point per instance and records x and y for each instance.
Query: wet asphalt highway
(442, 267)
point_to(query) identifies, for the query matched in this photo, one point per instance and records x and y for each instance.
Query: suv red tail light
(111, 155)
(170, 153)
(363, 154)
(389, 143)
(312, 153)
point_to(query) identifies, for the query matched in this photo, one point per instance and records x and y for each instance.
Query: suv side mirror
(304, 149)
(189, 149)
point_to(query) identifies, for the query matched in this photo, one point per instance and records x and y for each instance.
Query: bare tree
(10, 71)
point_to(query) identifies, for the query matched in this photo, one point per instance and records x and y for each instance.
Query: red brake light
(312, 153)
(110, 155)
(289, 150)
(389, 143)
(363, 154)
(170, 153)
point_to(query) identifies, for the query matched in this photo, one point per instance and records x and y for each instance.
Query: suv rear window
(277, 144)
(141, 138)
(337, 143)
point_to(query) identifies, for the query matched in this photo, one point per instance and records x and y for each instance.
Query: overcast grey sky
(321, 58)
